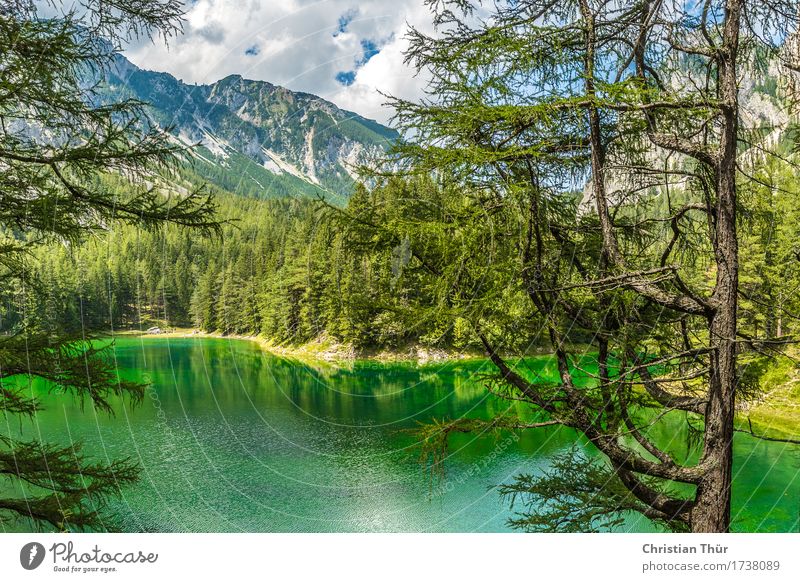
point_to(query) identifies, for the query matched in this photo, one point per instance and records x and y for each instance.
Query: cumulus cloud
(213, 33)
(347, 51)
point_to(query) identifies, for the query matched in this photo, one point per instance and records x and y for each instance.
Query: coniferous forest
(599, 202)
(294, 270)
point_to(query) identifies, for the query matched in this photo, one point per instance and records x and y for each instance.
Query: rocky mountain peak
(257, 138)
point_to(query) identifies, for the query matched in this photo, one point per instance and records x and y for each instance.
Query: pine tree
(638, 101)
(58, 144)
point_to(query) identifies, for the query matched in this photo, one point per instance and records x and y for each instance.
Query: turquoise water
(233, 439)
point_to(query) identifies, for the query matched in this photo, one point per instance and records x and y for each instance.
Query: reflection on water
(233, 439)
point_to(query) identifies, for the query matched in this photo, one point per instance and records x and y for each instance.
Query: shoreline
(321, 350)
(776, 414)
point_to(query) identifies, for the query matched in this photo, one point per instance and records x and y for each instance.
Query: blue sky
(342, 50)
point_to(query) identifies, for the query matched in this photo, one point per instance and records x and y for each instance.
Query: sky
(346, 51)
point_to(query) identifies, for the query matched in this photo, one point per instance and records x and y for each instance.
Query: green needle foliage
(60, 150)
(583, 178)
(575, 495)
(597, 153)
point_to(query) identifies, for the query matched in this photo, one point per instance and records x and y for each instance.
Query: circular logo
(31, 555)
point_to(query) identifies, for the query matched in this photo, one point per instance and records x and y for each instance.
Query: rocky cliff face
(257, 138)
(767, 92)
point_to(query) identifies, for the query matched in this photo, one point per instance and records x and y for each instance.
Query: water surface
(231, 438)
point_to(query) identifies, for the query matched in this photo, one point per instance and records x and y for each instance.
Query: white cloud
(299, 44)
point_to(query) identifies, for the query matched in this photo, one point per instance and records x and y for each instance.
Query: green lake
(232, 439)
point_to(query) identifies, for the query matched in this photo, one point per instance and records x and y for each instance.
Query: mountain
(256, 138)
(768, 119)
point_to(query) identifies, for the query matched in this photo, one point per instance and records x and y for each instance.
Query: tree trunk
(712, 510)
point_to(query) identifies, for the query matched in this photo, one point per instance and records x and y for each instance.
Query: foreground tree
(641, 102)
(59, 148)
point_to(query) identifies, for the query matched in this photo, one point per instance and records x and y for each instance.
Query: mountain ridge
(253, 137)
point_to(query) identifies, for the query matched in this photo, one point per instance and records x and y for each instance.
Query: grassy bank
(777, 411)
